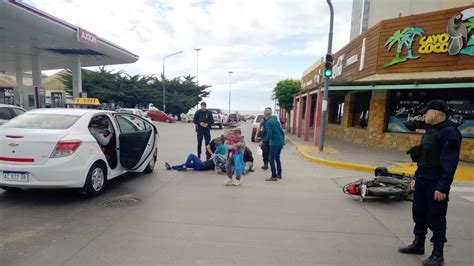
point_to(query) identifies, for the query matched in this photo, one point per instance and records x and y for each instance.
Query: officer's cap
(438, 105)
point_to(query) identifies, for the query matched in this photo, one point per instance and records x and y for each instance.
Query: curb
(350, 166)
(461, 174)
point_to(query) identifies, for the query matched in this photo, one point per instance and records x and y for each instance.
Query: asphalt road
(191, 218)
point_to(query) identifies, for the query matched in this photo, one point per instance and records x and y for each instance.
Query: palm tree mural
(403, 38)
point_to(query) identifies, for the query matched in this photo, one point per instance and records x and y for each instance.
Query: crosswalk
(466, 192)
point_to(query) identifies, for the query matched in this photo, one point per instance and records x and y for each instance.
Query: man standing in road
(203, 120)
(437, 158)
(276, 140)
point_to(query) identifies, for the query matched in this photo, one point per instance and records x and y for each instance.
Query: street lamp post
(197, 70)
(230, 85)
(326, 81)
(163, 81)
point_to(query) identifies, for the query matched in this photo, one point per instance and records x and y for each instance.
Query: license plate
(15, 176)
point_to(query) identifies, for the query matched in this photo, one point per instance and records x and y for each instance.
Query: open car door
(136, 141)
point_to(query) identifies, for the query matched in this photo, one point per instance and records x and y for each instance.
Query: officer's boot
(436, 258)
(417, 247)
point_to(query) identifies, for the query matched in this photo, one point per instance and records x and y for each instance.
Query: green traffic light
(328, 73)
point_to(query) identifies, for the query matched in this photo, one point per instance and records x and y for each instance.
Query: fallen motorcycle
(384, 185)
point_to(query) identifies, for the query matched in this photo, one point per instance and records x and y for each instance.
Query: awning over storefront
(433, 86)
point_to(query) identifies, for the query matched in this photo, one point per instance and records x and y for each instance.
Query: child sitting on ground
(235, 144)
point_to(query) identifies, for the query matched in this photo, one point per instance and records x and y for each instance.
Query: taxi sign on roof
(86, 101)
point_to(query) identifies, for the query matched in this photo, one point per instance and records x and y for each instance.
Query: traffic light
(328, 66)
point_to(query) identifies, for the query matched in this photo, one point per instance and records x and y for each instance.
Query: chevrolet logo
(13, 145)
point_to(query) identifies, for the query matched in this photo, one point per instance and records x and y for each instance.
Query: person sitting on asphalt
(193, 162)
(248, 160)
(211, 147)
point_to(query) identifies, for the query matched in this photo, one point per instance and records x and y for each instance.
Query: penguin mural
(457, 31)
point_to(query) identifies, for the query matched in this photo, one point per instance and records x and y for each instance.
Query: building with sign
(367, 13)
(385, 76)
(34, 41)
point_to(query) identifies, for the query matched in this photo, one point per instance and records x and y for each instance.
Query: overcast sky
(261, 41)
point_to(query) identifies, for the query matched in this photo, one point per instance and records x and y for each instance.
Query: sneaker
(228, 182)
(236, 183)
(279, 177)
(184, 169)
(265, 167)
(271, 179)
(167, 166)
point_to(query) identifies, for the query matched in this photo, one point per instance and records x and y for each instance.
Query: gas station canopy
(33, 41)
(26, 31)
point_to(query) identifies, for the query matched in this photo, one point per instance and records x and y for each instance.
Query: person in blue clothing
(203, 120)
(276, 140)
(437, 158)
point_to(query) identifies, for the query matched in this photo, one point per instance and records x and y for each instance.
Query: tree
(125, 90)
(283, 93)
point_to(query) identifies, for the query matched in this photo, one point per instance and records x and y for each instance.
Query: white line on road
(462, 189)
(469, 198)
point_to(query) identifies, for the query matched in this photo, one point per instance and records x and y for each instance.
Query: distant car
(8, 112)
(219, 117)
(160, 116)
(233, 118)
(255, 125)
(242, 118)
(55, 148)
(134, 111)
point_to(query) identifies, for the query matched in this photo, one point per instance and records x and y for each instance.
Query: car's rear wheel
(96, 179)
(151, 165)
(167, 121)
(253, 136)
(220, 125)
(11, 189)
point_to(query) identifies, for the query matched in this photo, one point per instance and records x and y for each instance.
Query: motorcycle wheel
(385, 192)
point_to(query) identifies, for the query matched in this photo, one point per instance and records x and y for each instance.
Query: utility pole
(326, 80)
(163, 81)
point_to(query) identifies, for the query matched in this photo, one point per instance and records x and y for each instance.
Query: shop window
(336, 109)
(404, 110)
(360, 109)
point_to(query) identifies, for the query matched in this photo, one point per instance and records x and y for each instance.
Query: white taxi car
(56, 148)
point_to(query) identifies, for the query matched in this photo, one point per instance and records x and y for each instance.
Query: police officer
(203, 120)
(437, 158)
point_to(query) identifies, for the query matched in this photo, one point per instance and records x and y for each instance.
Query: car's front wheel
(96, 179)
(151, 165)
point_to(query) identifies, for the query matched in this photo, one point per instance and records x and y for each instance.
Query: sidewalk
(360, 157)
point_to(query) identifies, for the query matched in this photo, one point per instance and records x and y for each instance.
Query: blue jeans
(193, 162)
(274, 157)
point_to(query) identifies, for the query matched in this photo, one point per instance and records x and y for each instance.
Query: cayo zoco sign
(457, 39)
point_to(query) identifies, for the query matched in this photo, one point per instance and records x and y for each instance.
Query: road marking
(469, 198)
(462, 189)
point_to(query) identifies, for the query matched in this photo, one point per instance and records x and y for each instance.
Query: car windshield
(42, 121)
(215, 111)
(259, 118)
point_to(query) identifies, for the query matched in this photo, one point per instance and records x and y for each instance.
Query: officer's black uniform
(203, 132)
(437, 158)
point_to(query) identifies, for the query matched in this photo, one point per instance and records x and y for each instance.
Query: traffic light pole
(326, 82)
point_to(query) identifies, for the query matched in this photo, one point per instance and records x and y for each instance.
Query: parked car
(242, 118)
(233, 118)
(8, 112)
(54, 148)
(134, 111)
(219, 117)
(255, 125)
(160, 116)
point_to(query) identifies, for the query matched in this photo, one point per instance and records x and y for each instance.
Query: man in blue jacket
(276, 140)
(437, 158)
(203, 120)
